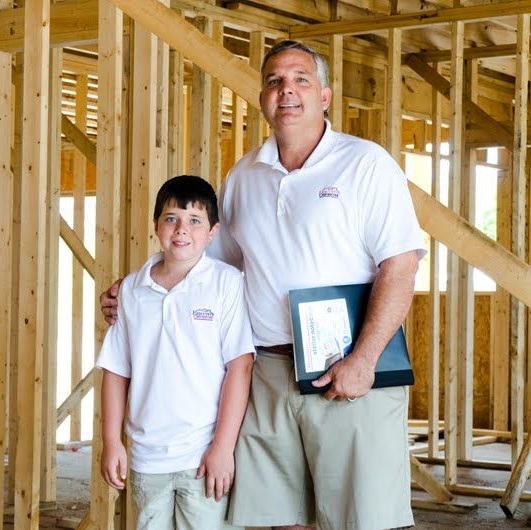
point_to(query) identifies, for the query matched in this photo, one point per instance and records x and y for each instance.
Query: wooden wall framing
(172, 99)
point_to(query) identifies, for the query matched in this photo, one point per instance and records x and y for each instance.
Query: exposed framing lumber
(394, 95)
(519, 183)
(451, 342)
(109, 164)
(176, 121)
(74, 399)
(79, 191)
(145, 178)
(77, 247)
(466, 296)
(51, 288)
(506, 269)
(427, 17)
(335, 59)
(255, 119)
(200, 112)
(434, 296)
(71, 22)
(32, 264)
(500, 306)
(216, 111)
(499, 134)
(6, 243)
(79, 139)
(200, 49)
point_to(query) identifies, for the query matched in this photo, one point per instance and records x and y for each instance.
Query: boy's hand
(114, 464)
(217, 466)
(109, 302)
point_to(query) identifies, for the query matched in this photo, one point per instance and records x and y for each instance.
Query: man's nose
(286, 87)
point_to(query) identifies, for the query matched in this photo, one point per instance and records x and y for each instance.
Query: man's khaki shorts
(305, 460)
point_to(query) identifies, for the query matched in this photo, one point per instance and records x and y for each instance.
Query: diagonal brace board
(477, 114)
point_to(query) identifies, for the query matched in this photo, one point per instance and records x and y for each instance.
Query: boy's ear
(155, 224)
(213, 231)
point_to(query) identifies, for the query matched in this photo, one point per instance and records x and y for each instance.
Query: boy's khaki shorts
(176, 500)
(303, 459)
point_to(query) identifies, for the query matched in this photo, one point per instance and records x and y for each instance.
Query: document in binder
(326, 322)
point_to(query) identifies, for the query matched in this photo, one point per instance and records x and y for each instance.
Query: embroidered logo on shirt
(202, 314)
(329, 191)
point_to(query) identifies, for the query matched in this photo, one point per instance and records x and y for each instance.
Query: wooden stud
(32, 263)
(451, 343)
(6, 243)
(466, 295)
(335, 55)
(237, 128)
(48, 471)
(519, 183)
(108, 222)
(145, 180)
(79, 192)
(201, 101)
(394, 95)
(214, 175)
(500, 306)
(255, 119)
(175, 119)
(435, 298)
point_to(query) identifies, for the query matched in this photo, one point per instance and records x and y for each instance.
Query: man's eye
(273, 82)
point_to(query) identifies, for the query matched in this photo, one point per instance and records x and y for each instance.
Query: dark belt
(283, 349)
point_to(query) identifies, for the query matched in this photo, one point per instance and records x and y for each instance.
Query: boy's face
(184, 234)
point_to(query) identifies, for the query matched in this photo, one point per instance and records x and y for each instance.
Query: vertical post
(108, 222)
(336, 81)
(6, 244)
(451, 344)
(32, 262)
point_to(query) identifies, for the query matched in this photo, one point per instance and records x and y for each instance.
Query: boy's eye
(195, 221)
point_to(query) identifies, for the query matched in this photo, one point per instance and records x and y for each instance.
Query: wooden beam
(426, 17)
(500, 135)
(32, 263)
(77, 247)
(74, 22)
(79, 139)
(478, 52)
(335, 58)
(506, 269)
(197, 47)
(74, 399)
(255, 119)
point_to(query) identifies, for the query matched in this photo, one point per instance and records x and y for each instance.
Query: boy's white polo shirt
(174, 347)
(331, 222)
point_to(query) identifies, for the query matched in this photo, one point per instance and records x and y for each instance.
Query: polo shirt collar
(268, 153)
(143, 278)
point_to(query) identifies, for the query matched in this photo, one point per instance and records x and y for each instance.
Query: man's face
(291, 94)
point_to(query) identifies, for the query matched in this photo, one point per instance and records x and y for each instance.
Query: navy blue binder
(393, 367)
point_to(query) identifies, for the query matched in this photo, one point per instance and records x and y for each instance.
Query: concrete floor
(73, 487)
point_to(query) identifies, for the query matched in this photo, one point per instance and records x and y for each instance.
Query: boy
(180, 357)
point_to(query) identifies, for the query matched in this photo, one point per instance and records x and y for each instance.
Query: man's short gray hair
(320, 63)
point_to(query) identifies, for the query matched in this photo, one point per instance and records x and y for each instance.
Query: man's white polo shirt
(331, 222)
(174, 347)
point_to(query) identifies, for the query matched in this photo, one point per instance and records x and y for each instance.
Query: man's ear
(326, 97)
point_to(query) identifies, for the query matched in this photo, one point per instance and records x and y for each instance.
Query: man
(314, 207)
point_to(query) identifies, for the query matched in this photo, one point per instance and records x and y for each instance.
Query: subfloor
(73, 495)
